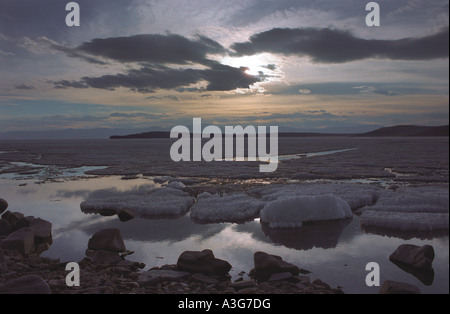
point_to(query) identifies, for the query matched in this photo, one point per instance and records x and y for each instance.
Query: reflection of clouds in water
(72, 194)
(147, 230)
(104, 193)
(406, 235)
(321, 235)
(27, 191)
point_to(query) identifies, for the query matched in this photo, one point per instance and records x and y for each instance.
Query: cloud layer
(336, 46)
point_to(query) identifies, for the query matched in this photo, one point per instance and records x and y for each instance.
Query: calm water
(335, 252)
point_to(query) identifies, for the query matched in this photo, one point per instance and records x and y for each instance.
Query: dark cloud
(136, 115)
(171, 97)
(74, 53)
(153, 48)
(24, 87)
(224, 78)
(218, 77)
(271, 67)
(66, 84)
(336, 46)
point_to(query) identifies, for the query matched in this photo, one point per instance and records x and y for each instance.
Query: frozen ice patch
(160, 202)
(405, 222)
(226, 208)
(292, 212)
(356, 195)
(410, 209)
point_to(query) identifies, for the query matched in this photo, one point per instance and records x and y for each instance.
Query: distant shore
(395, 131)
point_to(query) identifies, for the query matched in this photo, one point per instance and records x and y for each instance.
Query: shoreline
(104, 270)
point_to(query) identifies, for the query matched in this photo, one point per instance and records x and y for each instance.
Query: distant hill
(142, 135)
(409, 130)
(167, 135)
(400, 130)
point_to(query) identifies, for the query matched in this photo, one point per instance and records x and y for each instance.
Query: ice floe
(165, 201)
(292, 212)
(226, 208)
(423, 208)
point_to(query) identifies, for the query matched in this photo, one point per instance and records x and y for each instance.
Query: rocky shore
(106, 269)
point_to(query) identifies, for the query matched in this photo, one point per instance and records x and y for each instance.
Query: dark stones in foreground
(415, 260)
(25, 285)
(393, 287)
(414, 256)
(267, 265)
(203, 262)
(107, 240)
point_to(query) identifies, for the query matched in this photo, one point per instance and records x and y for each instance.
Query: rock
(203, 279)
(107, 240)
(21, 240)
(3, 266)
(392, 287)
(248, 291)
(25, 285)
(244, 284)
(57, 283)
(414, 256)
(42, 228)
(103, 257)
(321, 284)
(3, 205)
(266, 265)
(300, 286)
(202, 262)
(153, 277)
(126, 215)
(16, 220)
(283, 277)
(303, 279)
(5, 227)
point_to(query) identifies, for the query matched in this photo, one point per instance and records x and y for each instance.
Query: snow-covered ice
(226, 208)
(292, 212)
(423, 208)
(356, 195)
(165, 201)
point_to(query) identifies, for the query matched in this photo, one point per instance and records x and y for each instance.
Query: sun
(255, 64)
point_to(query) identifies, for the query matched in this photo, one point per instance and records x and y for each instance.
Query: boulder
(107, 240)
(393, 287)
(25, 285)
(16, 220)
(202, 262)
(266, 265)
(3, 205)
(5, 227)
(42, 228)
(21, 240)
(414, 256)
(153, 277)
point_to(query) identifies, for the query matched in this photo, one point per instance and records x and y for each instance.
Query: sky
(307, 65)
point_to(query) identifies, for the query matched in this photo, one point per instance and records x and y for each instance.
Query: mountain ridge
(394, 131)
